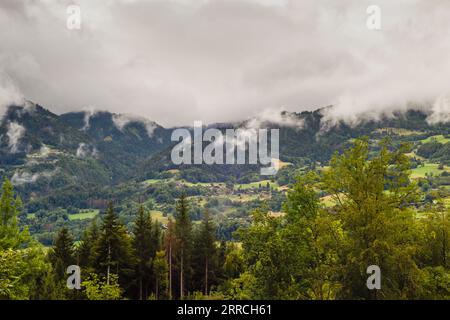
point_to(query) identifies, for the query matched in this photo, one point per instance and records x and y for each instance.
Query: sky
(180, 61)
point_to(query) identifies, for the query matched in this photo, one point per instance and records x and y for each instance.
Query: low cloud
(274, 117)
(15, 133)
(9, 94)
(122, 120)
(24, 177)
(83, 150)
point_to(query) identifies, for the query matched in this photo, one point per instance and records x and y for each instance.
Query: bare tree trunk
(140, 288)
(157, 289)
(181, 275)
(170, 269)
(206, 276)
(109, 264)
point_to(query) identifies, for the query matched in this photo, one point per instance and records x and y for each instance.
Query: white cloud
(24, 177)
(15, 133)
(122, 120)
(83, 150)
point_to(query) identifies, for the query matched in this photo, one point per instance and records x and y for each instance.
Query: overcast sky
(176, 61)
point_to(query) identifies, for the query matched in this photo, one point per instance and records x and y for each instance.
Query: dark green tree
(205, 257)
(183, 232)
(145, 250)
(61, 255)
(113, 251)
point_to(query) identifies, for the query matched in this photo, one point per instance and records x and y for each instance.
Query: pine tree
(169, 244)
(206, 253)
(113, 252)
(183, 230)
(145, 250)
(62, 253)
(85, 250)
(160, 270)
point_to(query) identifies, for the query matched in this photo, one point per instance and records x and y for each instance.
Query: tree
(22, 260)
(160, 271)
(61, 254)
(373, 196)
(85, 250)
(183, 229)
(144, 249)
(169, 243)
(10, 234)
(435, 249)
(205, 257)
(113, 252)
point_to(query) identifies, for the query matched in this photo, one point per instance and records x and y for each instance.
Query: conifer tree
(169, 245)
(85, 250)
(62, 253)
(143, 244)
(206, 253)
(113, 252)
(160, 271)
(183, 230)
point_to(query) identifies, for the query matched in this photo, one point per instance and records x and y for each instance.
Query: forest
(376, 215)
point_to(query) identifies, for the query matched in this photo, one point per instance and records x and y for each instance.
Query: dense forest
(375, 215)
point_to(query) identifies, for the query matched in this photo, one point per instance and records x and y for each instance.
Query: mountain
(78, 158)
(56, 160)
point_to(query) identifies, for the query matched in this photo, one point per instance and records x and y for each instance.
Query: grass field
(439, 138)
(255, 185)
(85, 214)
(158, 215)
(428, 168)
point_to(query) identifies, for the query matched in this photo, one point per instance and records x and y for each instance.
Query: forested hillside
(374, 214)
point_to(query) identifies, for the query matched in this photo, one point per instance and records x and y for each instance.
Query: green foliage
(10, 234)
(99, 288)
(161, 271)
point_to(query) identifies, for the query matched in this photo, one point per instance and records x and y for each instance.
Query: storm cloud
(176, 61)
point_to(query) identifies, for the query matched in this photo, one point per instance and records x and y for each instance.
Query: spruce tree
(143, 244)
(206, 254)
(169, 245)
(160, 271)
(183, 230)
(113, 252)
(85, 250)
(62, 253)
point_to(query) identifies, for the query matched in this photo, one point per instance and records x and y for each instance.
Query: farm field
(427, 169)
(88, 214)
(438, 138)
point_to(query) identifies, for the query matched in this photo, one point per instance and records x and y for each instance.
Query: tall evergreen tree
(206, 254)
(113, 252)
(144, 246)
(62, 253)
(169, 245)
(85, 250)
(160, 271)
(183, 231)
